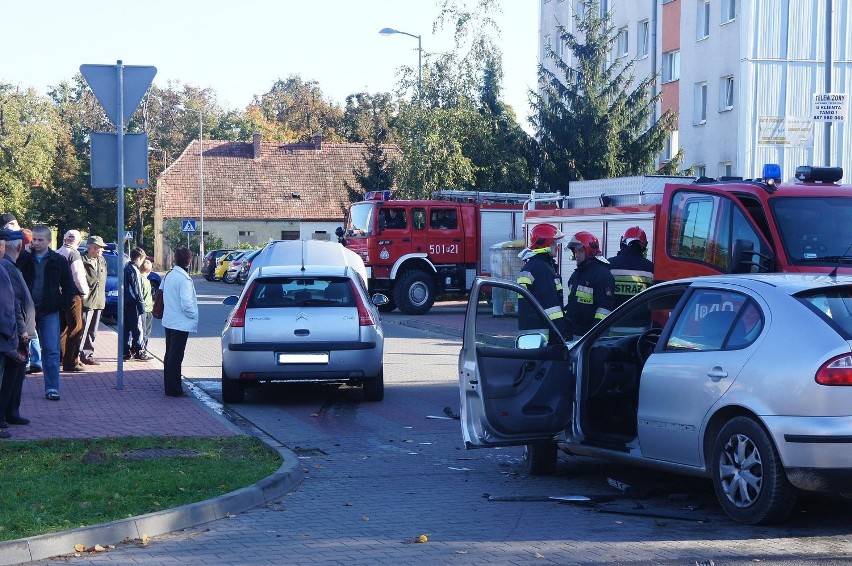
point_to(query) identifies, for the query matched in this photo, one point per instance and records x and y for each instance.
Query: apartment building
(741, 74)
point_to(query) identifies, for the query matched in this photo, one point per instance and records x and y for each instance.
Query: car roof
(788, 283)
(317, 257)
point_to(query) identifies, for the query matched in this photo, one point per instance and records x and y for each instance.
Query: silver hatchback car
(745, 379)
(310, 320)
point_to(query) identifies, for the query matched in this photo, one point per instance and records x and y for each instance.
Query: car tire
(540, 458)
(233, 390)
(748, 475)
(227, 279)
(374, 387)
(414, 292)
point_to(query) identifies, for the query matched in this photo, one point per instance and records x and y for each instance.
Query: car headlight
(112, 293)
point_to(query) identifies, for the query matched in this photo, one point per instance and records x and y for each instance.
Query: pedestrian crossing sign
(188, 226)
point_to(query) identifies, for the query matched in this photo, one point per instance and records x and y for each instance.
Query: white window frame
(702, 20)
(699, 110)
(726, 169)
(643, 39)
(726, 93)
(545, 42)
(622, 42)
(671, 66)
(560, 47)
(699, 170)
(729, 11)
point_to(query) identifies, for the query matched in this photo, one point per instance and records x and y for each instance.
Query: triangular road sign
(103, 80)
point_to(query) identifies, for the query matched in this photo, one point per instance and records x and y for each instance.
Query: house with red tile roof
(257, 191)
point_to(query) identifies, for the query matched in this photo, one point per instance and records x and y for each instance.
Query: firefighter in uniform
(590, 287)
(632, 272)
(539, 277)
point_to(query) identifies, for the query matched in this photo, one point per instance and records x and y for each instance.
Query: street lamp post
(391, 31)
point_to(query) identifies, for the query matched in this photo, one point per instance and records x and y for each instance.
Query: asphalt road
(379, 475)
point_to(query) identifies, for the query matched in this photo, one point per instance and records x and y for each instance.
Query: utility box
(505, 264)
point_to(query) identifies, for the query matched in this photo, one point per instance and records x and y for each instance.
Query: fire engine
(709, 226)
(415, 250)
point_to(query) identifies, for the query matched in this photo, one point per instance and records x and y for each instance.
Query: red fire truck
(708, 226)
(415, 250)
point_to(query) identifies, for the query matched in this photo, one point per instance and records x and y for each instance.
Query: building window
(545, 47)
(671, 148)
(726, 94)
(246, 233)
(623, 43)
(729, 10)
(726, 169)
(702, 20)
(643, 39)
(700, 110)
(671, 66)
(580, 9)
(699, 170)
(289, 234)
(560, 48)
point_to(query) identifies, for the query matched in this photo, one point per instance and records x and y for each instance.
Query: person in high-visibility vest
(540, 278)
(633, 273)
(590, 287)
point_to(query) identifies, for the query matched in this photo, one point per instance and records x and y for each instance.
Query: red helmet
(587, 241)
(634, 234)
(543, 235)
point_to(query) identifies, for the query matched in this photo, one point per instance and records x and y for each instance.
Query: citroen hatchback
(310, 320)
(744, 379)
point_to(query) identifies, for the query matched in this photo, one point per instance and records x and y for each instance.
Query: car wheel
(748, 476)
(414, 292)
(230, 279)
(233, 390)
(540, 458)
(374, 387)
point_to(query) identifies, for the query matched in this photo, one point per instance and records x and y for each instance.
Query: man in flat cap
(94, 304)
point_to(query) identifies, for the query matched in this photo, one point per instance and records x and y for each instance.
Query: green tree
(364, 112)
(379, 169)
(295, 110)
(30, 131)
(588, 123)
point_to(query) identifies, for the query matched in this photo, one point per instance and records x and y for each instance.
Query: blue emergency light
(771, 171)
(377, 195)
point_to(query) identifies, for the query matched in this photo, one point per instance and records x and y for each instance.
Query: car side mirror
(380, 299)
(230, 300)
(530, 341)
(339, 232)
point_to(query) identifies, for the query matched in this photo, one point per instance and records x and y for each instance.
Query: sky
(239, 48)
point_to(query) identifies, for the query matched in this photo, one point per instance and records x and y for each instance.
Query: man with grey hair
(93, 305)
(52, 287)
(71, 318)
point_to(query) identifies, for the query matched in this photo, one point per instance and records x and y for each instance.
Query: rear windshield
(834, 305)
(299, 292)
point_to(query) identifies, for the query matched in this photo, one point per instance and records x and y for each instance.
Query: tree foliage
(589, 124)
(295, 110)
(379, 169)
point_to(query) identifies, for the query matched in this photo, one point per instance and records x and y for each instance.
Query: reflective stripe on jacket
(590, 295)
(539, 277)
(632, 274)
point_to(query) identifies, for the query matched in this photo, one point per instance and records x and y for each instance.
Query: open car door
(516, 376)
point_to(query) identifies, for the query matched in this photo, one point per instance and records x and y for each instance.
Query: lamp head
(387, 31)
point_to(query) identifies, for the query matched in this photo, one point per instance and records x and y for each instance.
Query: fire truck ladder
(495, 198)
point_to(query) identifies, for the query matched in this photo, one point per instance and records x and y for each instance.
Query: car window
(278, 292)
(643, 315)
(716, 319)
(833, 305)
(509, 316)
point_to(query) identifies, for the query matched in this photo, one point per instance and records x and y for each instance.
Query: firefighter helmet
(587, 241)
(543, 235)
(634, 234)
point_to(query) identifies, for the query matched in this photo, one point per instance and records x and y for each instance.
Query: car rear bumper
(259, 361)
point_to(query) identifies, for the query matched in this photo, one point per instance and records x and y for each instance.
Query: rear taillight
(836, 371)
(238, 318)
(365, 316)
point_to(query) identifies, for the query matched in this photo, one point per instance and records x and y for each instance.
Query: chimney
(256, 145)
(317, 141)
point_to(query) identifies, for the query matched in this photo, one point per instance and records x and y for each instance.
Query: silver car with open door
(745, 379)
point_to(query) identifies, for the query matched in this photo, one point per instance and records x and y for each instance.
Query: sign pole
(119, 68)
(828, 9)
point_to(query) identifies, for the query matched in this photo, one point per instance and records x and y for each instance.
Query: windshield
(815, 231)
(360, 221)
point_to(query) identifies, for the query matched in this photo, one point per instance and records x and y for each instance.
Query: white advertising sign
(830, 107)
(785, 131)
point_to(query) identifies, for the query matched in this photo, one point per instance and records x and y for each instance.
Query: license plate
(304, 358)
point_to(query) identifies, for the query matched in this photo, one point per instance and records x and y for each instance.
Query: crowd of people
(51, 302)
(594, 289)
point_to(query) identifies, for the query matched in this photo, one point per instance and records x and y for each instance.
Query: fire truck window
(444, 219)
(394, 218)
(418, 219)
(700, 229)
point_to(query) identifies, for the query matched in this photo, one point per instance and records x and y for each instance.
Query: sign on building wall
(785, 131)
(829, 107)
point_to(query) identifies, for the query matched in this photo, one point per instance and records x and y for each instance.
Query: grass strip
(55, 485)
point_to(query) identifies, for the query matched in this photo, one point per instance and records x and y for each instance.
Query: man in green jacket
(93, 305)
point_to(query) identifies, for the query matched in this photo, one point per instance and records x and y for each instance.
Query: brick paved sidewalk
(92, 407)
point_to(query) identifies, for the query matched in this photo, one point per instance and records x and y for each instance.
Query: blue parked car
(111, 257)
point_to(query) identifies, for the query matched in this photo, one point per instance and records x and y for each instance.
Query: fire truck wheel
(414, 292)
